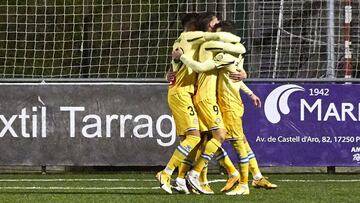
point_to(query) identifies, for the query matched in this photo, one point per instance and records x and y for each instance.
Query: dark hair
(226, 26)
(204, 20)
(189, 19)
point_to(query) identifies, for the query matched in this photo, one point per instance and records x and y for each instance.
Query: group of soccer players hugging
(204, 97)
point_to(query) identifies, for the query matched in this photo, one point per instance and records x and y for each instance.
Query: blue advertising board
(122, 124)
(304, 124)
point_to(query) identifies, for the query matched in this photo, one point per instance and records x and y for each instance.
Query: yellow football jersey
(207, 81)
(205, 97)
(189, 42)
(228, 91)
(185, 77)
(230, 102)
(228, 94)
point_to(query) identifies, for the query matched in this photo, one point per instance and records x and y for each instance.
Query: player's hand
(256, 100)
(238, 76)
(171, 77)
(175, 55)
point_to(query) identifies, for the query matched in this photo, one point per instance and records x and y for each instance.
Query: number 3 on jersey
(191, 110)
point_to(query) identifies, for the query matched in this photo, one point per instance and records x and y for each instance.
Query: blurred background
(132, 38)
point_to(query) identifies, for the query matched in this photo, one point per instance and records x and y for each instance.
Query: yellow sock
(240, 148)
(229, 166)
(210, 148)
(203, 175)
(225, 161)
(183, 169)
(201, 148)
(244, 173)
(253, 165)
(222, 163)
(181, 152)
(188, 162)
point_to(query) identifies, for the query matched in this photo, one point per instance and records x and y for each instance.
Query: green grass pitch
(142, 187)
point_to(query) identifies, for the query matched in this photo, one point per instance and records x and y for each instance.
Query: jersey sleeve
(228, 37)
(225, 61)
(237, 48)
(240, 63)
(197, 66)
(245, 88)
(195, 37)
(199, 37)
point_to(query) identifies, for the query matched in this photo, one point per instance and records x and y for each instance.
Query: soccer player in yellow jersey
(232, 108)
(226, 161)
(180, 97)
(180, 102)
(209, 113)
(206, 100)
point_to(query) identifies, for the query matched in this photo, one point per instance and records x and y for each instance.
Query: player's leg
(206, 136)
(211, 147)
(233, 123)
(210, 114)
(185, 166)
(180, 183)
(242, 188)
(253, 164)
(259, 181)
(186, 124)
(204, 183)
(179, 155)
(224, 160)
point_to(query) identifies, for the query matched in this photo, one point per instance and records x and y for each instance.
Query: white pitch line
(300, 181)
(217, 181)
(79, 188)
(78, 180)
(318, 181)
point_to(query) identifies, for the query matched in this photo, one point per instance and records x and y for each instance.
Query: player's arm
(221, 60)
(175, 63)
(199, 37)
(230, 48)
(245, 88)
(237, 71)
(197, 66)
(170, 76)
(226, 59)
(237, 48)
(196, 37)
(210, 64)
(188, 61)
(228, 37)
(255, 99)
